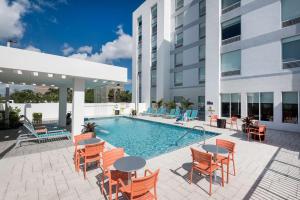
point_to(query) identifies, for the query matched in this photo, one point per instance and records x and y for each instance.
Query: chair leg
(191, 176)
(227, 172)
(117, 191)
(84, 170)
(233, 166)
(110, 191)
(222, 171)
(210, 183)
(102, 188)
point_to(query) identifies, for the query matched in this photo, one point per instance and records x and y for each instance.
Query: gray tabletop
(89, 141)
(212, 148)
(130, 163)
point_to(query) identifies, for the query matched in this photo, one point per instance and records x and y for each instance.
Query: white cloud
(67, 49)
(85, 49)
(120, 48)
(32, 48)
(11, 25)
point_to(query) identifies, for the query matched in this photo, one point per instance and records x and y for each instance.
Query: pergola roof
(19, 66)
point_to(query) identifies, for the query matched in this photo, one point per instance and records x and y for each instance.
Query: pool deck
(269, 170)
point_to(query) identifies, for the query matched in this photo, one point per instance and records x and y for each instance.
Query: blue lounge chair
(172, 112)
(194, 115)
(161, 112)
(188, 113)
(175, 115)
(149, 111)
(32, 135)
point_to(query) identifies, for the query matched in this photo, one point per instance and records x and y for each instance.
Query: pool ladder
(188, 131)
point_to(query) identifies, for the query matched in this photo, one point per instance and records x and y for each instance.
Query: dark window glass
(253, 105)
(231, 28)
(235, 105)
(290, 107)
(290, 9)
(291, 49)
(225, 105)
(266, 106)
(227, 3)
(201, 107)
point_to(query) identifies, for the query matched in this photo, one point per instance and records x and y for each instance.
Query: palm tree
(186, 104)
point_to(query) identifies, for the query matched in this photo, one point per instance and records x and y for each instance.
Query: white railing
(50, 110)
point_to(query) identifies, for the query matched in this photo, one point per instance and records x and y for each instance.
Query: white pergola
(24, 67)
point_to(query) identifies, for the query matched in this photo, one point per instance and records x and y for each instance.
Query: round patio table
(212, 148)
(129, 164)
(89, 141)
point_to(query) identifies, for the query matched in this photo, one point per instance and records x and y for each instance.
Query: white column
(78, 106)
(62, 106)
(6, 117)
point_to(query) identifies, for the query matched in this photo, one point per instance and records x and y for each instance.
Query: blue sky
(96, 30)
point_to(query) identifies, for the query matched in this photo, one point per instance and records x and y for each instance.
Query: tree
(26, 96)
(186, 104)
(170, 105)
(125, 96)
(111, 95)
(89, 96)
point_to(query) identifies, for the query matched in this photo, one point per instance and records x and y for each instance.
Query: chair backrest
(140, 186)
(214, 117)
(230, 146)
(262, 129)
(172, 111)
(81, 137)
(194, 113)
(30, 129)
(204, 158)
(188, 113)
(109, 157)
(177, 111)
(94, 149)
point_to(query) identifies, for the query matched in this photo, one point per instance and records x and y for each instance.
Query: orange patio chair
(91, 153)
(109, 158)
(233, 121)
(140, 188)
(213, 118)
(78, 138)
(258, 131)
(203, 163)
(225, 160)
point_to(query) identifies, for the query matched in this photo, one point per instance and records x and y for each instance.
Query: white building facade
(235, 57)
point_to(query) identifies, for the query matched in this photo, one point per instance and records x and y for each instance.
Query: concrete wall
(50, 110)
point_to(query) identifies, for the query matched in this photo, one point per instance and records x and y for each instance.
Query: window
(153, 78)
(202, 8)
(231, 29)
(201, 30)
(178, 78)
(235, 105)
(179, 4)
(225, 105)
(201, 107)
(179, 39)
(229, 3)
(202, 52)
(154, 11)
(178, 99)
(179, 20)
(266, 106)
(291, 52)
(178, 59)
(201, 76)
(290, 107)
(290, 9)
(154, 60)
(231, 105)
(154, 41)
(253, 105)
(231, 63)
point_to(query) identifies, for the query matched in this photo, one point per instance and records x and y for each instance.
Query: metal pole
(6, 119)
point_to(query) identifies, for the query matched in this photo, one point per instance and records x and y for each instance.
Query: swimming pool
(144, 138)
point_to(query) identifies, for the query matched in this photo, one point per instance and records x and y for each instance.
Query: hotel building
(235, 57)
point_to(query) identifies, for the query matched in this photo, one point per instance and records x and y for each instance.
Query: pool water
(144, 138)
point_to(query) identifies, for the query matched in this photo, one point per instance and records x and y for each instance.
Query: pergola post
(63, 94)
(6, 117)
(78, 105)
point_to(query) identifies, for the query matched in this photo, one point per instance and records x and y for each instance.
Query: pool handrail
(188, 131)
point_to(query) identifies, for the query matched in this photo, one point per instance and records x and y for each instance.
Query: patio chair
(109, 158)
(161, 112)
(78, 138)
(233, 121)
(225, 160)
(257, 131)
(91, 153)
(41, 128)
(172, 112)
(213, 118)
(140, 188)
(155, 112)
(32, 135)
(194, 115)
(203, 163)
(175, 115)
